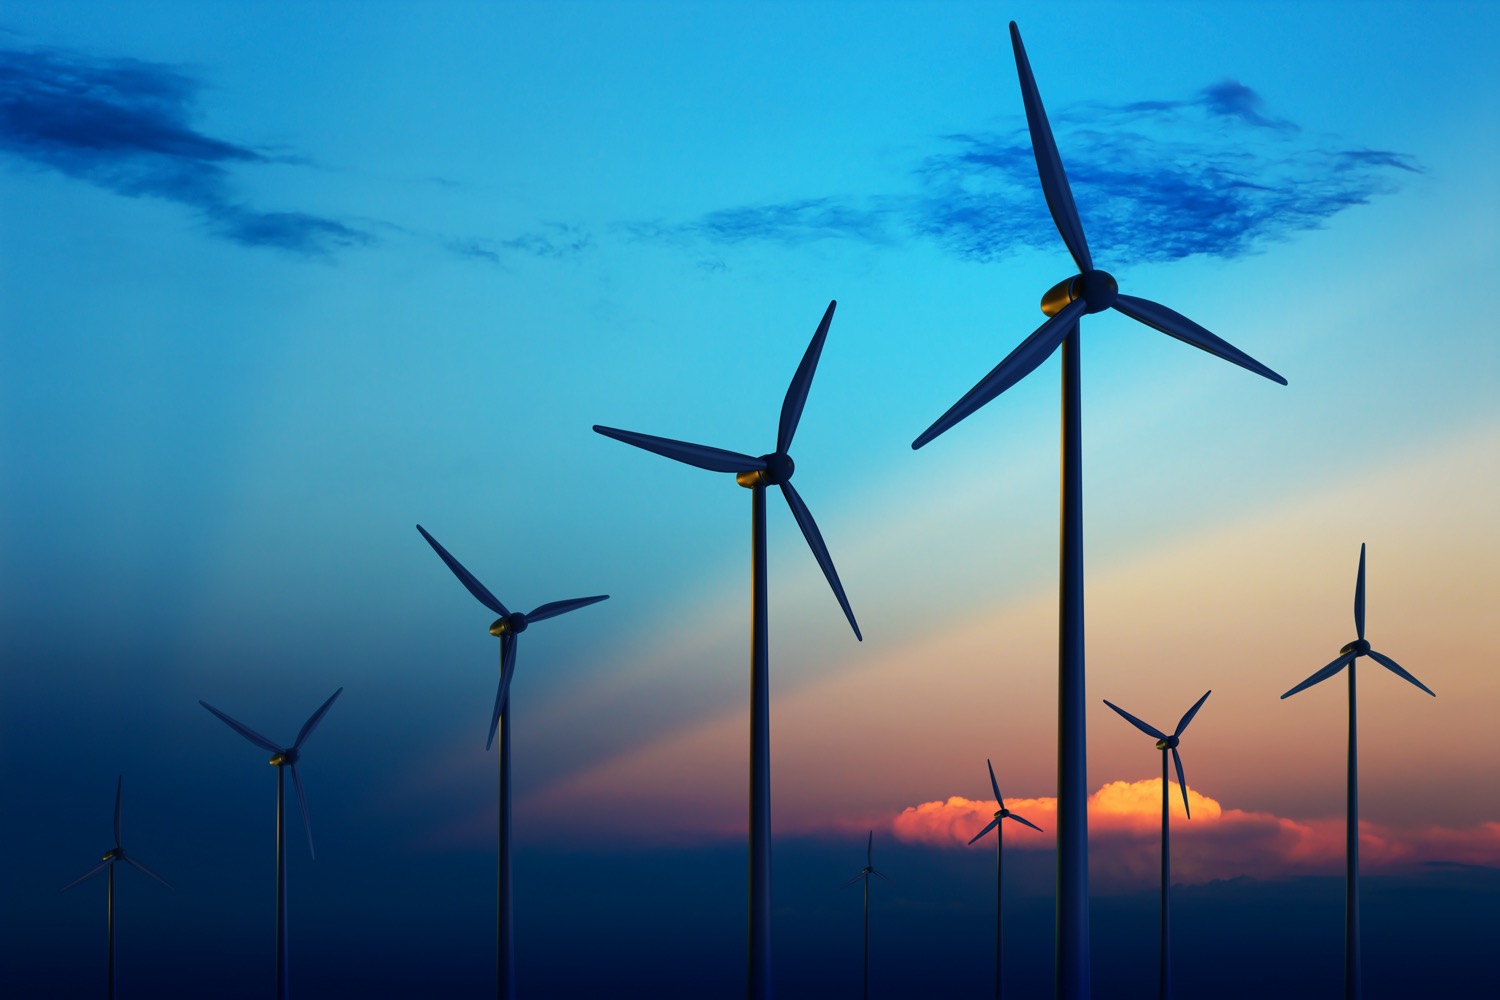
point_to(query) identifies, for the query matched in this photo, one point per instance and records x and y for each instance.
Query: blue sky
(279, 283)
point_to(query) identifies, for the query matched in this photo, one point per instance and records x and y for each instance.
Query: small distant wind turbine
(283, 759)
(1353, 980)
(508, 628)
(1088, 291)
(1166, 744)
(865, 873)
(755, 474)
(110, 857)
(1001, 813)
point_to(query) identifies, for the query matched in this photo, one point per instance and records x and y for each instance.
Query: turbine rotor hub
(1359, 647)
(511, 624)
(1097, 289)
(1169, 743)
(779, 469)
(113, 854)
(285, 758)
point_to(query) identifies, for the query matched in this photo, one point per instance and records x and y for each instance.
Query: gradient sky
(277, 282)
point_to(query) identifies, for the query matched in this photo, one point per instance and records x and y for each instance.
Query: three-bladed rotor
(1001, 813)
(116, 853)
(869, 868)
(1165, 742)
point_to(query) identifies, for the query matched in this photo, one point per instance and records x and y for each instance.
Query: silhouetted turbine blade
(302, 801)
(507, 669)
(994, 785)
(87, 875)
(796, 393)
(314, 719)
(809, 528)
(1398, 670)
(554, 608)
(853, 880)
(1137, 723)
(1019, 363)
(700, 455)
(132, 862)
(1022, 819)
(1048, 164)
(1181, 782)
(119, 790)
(1359, 595)
(869, 847)
(466, 578)
(1188, 715)
(244, 731)
(1324, 674)
(880, 874)
(1174, 324)
(993, 823)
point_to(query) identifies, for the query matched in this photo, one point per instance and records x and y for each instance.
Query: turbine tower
(865, 873)
(508, 628)
(1166, 744)
(755, 474)
(1088, 291)
(1001, 813)
(1353, 981)
(116, 854)
(283, 759)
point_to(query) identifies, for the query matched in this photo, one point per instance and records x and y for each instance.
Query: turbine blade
(994, 785)
(1181, 782)
(1048, 164)
(700, 455)
(1188, 716)
(809, 528)
(1174, 324)
(119, 790)
(1323, 674)
(315, 718)
(87, 875)
(1022, 819)
(869, 847)
(879, 873)
(554, 608)
(243, 730)
(1359, 595)
(1398, 670)
(796, 393)
(853, 880)
(502, 693)
(1137, 723)
(132, 862)
(1019, 363)
(466, 578)
(302, 801)
(993, 823)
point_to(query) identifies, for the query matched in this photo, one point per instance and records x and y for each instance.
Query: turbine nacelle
(511, 624)
(1096, 289)
(285, 758)
(1168, 743)
(114, 854)
(779, 469)
(1359, 647)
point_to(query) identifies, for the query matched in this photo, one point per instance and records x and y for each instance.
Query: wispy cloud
(125, 125)
(1212, 174)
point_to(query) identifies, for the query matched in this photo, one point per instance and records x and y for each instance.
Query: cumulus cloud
(1217, 843)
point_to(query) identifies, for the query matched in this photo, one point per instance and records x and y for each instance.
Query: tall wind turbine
(1166, 744)
(1353, 983)
(1001, 813)
(1088, 291)
(117, 853)
(755, 474)
(508, 628)
(283, 759)
(865, 873)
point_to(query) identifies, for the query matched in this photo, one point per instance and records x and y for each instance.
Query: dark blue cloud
(1154, 180)
(125, 125)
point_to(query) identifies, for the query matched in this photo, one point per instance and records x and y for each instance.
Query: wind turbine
(1088, 291)
(755, 474)
(508, 628)
(1353, 982)
(283, 759)
(865, 873)
(1001, 813)
(1166, 744)
(117, 853)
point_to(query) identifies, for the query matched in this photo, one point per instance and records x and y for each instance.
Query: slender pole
(867, 937)
(1166, 885)
(109, 989)
(282, 985)
(1353, 985)
(505, 938)
(759, 981)
(1072, 959)
(999, 844)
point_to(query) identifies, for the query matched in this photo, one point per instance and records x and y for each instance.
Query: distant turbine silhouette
(283, 759)
(1166, 744)
(1089, 291)
(755, 474)
(865, 873)
(1001, 813)
(1353, 979)
(508, 628)
(110, 857)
